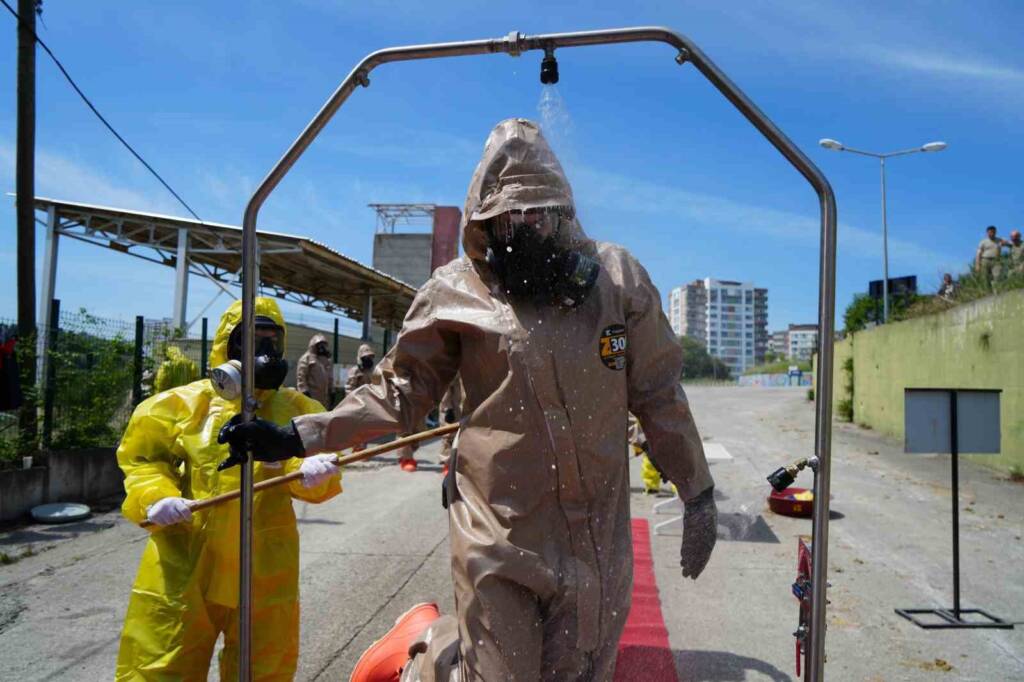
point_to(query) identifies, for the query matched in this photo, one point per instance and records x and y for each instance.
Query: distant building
(729, 318)
(801, 341)
(798, 342)
(778, 343)
(413, 256)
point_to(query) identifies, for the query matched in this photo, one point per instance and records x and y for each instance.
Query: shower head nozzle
(549, 67)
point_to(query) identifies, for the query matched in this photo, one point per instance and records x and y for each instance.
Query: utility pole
(25, 185)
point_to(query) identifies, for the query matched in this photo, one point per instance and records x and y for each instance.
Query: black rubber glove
(449, 416)
(700, 532)
(266, 440)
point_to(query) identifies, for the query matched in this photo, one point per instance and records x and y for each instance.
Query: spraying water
(555, 122)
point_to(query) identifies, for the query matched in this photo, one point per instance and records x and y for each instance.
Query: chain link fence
(95, 372)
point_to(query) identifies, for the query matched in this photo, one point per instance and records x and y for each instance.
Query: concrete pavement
(381, 547)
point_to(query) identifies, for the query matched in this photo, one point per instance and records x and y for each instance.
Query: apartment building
(802, 341)
(729, 318)
(797, 342)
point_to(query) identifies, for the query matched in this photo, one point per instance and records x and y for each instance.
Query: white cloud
(707, 211)
(941, 65)
(60, 177)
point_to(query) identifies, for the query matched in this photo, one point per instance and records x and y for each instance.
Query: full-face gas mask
(322, 350)
(527, 256)
(366, 362)
(269, 370)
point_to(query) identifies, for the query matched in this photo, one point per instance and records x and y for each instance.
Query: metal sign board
(929, 415)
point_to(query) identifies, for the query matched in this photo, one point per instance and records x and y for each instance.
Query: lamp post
(837, 146)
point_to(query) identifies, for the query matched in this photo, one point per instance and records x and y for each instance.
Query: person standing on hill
(986, 259)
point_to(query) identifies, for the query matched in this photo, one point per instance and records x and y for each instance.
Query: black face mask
(366, 362)
(270, 368)
(537, 269)
(321, 349)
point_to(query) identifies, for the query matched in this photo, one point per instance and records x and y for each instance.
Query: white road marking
(713, 451)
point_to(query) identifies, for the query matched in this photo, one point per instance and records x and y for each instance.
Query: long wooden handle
(206, 503)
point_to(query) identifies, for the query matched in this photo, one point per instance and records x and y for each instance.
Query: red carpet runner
(644, 653)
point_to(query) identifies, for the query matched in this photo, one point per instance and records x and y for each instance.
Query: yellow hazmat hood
(267, 307)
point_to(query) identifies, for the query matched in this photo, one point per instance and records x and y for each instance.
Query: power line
(106, 123)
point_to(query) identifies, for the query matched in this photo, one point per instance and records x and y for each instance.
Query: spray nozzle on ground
(549, 67)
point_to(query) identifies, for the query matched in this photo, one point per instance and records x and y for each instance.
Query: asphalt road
(382, 546)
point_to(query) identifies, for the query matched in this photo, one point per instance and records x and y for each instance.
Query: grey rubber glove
(700, 532)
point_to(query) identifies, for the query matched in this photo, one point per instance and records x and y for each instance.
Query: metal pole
(52, 334)
(367, 317)
(181, 282)
(137, 376)
(885, 251)
(25, 205)
(250, 276)
(955, 464)
(46, 292)
(332, 394)
(514, 44)
(334, 352)
(203, 352)
(823, 433)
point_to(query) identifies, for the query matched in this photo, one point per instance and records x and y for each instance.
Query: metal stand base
(669, 506)
(948, 619)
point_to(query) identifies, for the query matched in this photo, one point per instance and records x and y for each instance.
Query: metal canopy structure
(292, 268)
(390, 215)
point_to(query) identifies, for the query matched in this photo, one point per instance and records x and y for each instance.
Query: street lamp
(837, 146)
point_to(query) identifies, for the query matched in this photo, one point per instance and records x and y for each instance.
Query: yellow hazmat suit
(177, 369)
(186, 590)
(638, 443)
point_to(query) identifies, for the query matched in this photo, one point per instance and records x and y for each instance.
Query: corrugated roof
(293, 268)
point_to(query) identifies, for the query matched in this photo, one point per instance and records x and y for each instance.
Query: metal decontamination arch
(515, 44)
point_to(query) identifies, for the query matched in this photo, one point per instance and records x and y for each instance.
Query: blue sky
(212, 94)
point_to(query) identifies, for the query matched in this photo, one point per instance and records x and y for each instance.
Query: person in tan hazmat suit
(361, 375)
(556, 338)
(314, 374)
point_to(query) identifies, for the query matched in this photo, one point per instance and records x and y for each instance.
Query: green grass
(780, 367)
(972, 287)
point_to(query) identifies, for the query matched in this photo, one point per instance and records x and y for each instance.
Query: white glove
(316, 469)
(169, 510)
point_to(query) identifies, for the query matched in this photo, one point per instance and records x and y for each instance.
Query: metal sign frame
(920, 437)
(515, 44)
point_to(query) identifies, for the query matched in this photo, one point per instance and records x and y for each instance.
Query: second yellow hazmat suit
(177, 369)
(649, 474)
(186, 591)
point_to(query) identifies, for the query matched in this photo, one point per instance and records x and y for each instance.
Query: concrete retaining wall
(67, 476)
(977, 345)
